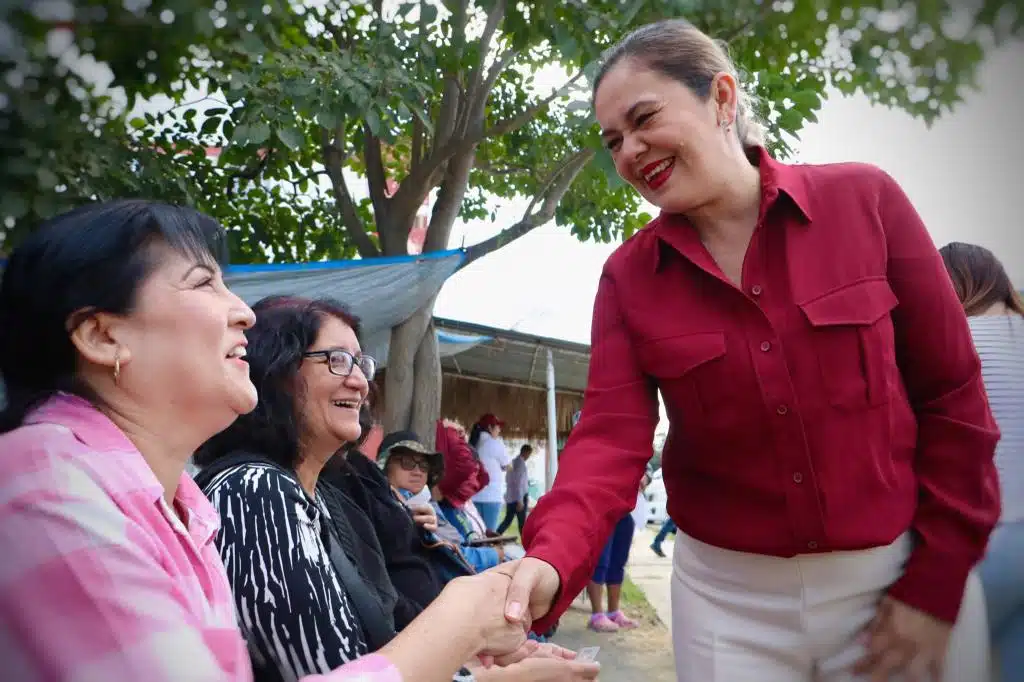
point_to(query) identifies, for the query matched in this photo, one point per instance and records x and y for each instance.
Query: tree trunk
(426, 388)
(400, 383)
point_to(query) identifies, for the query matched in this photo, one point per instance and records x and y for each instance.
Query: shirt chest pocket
(688, 371)
(852, 336)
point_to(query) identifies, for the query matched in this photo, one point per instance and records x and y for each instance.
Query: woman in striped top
(305, 603)
(996, 315)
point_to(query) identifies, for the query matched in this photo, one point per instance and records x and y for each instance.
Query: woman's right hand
(479, 600)
(535, 585)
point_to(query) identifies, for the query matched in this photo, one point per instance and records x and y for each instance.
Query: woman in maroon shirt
(829, 461)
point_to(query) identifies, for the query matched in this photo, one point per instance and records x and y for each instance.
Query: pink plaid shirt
(99, 578)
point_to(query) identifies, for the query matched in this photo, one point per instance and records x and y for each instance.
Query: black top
(407, 559)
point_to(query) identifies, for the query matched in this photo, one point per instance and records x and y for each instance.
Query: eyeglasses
(341, 362)
(410, 464)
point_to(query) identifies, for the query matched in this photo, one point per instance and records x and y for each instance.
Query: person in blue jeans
(668, 527)
(609, 576)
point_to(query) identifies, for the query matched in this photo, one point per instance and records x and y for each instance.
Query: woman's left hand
(533, 649)
(903, 641)
(424, 516)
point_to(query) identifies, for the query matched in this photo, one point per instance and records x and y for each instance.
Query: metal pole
(552, 425)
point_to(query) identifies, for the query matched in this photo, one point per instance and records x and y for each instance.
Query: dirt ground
(640, 655)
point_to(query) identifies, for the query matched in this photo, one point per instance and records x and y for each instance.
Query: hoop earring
(117, 368)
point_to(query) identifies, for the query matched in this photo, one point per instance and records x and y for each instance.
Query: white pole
(552, 424)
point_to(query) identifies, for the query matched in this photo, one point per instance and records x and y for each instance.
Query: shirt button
(756, 290)
(812, 545)
(782, 409)
(766, 346)
(798, 477)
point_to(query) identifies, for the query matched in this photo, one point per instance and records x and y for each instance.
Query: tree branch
(446, 146)
(417, 142)
(250, 173)
(479, 86)
(376, 176)
(518, 121)
(449, 200)
(424, 176)
(551, 193)
(333, 163)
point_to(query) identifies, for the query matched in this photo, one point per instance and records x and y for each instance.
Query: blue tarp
(383, 292)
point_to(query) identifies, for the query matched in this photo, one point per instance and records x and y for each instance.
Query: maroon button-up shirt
(831, 402)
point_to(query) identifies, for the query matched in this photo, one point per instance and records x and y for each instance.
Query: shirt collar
(776, 179)
(95, 430)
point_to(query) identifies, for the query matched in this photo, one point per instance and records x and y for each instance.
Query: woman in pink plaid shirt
(122, 351)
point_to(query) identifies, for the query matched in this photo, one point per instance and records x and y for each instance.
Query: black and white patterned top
(292, 607)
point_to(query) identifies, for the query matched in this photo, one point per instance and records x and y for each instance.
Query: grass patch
(635, 601)
(633, 595)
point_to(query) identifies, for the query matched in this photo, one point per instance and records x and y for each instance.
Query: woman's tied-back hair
(90, 260)
(677, 49)
(286, 328)
(979, 278)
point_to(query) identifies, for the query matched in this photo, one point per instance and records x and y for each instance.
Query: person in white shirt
(486, 439)
(995, 312)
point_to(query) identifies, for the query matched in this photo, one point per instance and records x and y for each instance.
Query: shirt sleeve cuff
(933, 584)
(560, 555)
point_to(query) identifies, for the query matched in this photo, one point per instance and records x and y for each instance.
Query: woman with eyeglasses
(305, 605)
(301, 610)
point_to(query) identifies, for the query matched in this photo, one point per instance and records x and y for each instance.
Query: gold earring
(117, 368)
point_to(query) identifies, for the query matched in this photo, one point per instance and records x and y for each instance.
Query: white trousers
(740, 617)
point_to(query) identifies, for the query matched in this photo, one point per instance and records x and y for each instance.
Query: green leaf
(292, 137)
(604, 161)
(12, 205)
(373, 122)
(210, 126)
(259, 132)
(137, 123)
(241, 134)
(47, 178)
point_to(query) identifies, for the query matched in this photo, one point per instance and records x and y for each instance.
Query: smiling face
(329, 404)
(665, 140)
(182, 346)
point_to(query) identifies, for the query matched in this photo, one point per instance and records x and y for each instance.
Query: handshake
(485, 618)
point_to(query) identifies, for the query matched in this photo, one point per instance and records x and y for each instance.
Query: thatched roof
(524, 409)
(506, 374)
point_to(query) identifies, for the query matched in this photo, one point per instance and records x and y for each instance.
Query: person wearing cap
(486, 438)
(413, 471)
(420, 466)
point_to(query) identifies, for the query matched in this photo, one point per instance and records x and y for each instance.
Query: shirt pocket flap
(861, 303)
(676, 356)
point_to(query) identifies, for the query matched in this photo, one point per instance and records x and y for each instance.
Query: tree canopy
(318, 129)
(444, 97)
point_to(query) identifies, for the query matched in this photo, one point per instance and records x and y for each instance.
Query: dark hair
(286, 327)
(526, 449)
(90, 260)
(677, 49)
(979, 278)
(474, 434)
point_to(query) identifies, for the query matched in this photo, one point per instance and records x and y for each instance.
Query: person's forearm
(423, 652)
